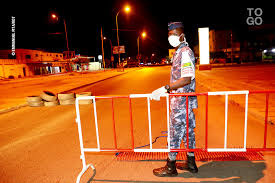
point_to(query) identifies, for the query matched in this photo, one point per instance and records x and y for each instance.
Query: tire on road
(67, 102)
(33, 99)
(36, 104)
(53, 103)
(48, 96)
(65, 96)
(82, 95)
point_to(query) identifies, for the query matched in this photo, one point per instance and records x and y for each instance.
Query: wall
(27, 66)
(14, 70)
(33, 55)
(36, 55)
(94, 66)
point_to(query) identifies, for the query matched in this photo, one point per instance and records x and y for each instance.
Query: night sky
(35, 29)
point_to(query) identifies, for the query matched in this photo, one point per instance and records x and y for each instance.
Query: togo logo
(254, 16)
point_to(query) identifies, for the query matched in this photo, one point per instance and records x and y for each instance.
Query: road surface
(41, 144)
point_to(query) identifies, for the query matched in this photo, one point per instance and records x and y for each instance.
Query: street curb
(3, 111)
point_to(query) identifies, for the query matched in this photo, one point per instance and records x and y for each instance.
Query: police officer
(182, 80)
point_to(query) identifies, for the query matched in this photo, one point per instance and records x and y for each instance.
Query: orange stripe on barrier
(266, 118)
(206, 122)
(131, 120)
(114, 124)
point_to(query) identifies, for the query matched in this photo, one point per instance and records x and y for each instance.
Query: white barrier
(147, 96)
(225, 149)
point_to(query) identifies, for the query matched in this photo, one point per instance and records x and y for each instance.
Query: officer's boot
(169, 170)
(190, 165)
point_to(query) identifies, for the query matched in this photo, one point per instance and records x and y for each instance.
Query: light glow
(204, 45)
(54, 16)
(143, 34)
(127, 9)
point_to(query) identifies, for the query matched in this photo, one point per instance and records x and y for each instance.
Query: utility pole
(143, 36)
(66, 34)
(231, 46)
(117, 38)
(103, 61)
(138, 49)
(126, 9)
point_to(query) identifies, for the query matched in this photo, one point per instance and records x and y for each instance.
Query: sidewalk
(13, 93)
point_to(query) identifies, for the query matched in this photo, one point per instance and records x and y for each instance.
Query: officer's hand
(158, 93)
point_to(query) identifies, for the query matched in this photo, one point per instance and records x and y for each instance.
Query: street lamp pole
(68, 55)
(126, 9)
(103, 60)
(231, 46)
(66, 34)
(143, 35)
(138, 49)
(111, 48)
(54, 16)
(117, 38)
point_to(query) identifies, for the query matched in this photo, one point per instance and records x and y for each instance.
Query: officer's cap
(174, 25)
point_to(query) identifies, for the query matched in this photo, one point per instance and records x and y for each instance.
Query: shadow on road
(232, 171)
(218, 171)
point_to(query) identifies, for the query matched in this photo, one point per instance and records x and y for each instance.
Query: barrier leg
(82, 157)
(84, 169)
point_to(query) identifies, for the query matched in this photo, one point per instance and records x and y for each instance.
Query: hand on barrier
(156, 94)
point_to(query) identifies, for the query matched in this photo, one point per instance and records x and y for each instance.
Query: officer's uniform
(183, 66)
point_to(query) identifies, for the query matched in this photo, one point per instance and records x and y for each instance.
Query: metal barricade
(167, 96)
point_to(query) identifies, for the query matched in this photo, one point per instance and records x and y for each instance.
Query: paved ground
(257, 77)
(41, 144)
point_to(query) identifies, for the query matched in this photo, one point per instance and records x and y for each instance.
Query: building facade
(223, 46)
(251, 44)
(27, 62)
(256, 40)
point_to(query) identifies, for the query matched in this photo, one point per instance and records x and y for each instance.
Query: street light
(143, 36)
(127, 10)
(54, 16)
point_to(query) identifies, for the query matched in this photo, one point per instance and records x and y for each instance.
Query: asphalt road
(41, 144)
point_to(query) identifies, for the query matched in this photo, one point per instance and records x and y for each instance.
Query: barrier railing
(168, 96)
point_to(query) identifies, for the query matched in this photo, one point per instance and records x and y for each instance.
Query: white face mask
(174, 40)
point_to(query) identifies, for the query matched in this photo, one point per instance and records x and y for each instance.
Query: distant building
(256, 40)
(223, 46)
(246, 45)
(82, 63)
(27, 62)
